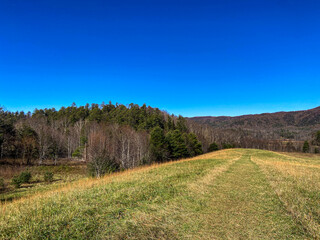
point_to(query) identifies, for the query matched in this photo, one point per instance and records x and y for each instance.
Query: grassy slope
(231, 194)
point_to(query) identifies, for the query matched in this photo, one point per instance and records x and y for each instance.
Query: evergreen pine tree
(177, 146)
(157, 142)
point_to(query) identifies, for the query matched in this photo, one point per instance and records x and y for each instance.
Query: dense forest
(107, 136)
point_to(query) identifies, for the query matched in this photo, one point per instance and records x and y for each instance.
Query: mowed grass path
(244, 206)
(230, 194)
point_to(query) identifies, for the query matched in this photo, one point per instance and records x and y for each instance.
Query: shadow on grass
(10, 193)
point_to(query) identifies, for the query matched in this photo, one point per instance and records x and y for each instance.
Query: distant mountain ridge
(298, 125)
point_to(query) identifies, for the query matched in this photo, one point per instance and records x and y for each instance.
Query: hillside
(125, 136)
(229, 194)
(297, 125)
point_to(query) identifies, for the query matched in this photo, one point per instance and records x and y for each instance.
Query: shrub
(48, 176)
(2, 186)
(16, 181)
(306, 147)
(78, 152)
(213, 147)
(25, 177)
(227, 145)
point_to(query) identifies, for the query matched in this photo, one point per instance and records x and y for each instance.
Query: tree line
(245, 138)
(113, 136)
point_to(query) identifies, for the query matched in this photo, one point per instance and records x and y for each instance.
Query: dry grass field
(63, 174)
(229, 194)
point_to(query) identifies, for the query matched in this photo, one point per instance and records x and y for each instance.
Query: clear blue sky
(187, 57)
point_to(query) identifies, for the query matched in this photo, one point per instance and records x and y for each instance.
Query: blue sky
(187, 57)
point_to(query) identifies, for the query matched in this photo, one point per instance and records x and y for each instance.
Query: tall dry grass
(296, 181)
